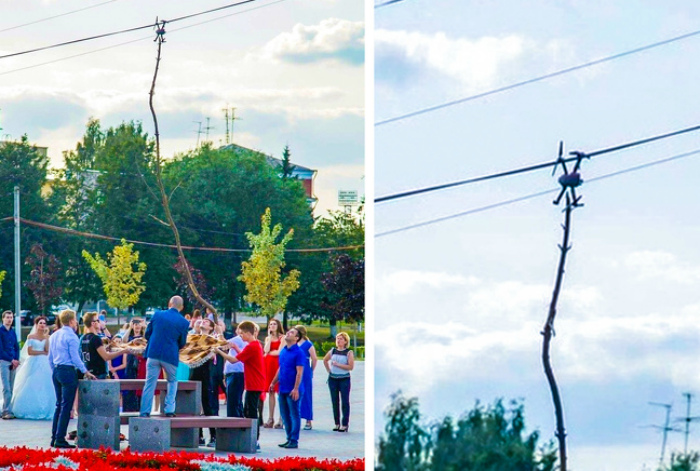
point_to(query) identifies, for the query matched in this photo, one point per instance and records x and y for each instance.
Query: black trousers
(340, 394)
(250, 407)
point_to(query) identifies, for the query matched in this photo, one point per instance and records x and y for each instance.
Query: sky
(459, 305)
(293, 69)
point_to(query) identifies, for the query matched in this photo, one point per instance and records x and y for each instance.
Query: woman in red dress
(272, 348)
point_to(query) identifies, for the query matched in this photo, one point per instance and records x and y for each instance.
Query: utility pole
(199, 132)
(18, 273)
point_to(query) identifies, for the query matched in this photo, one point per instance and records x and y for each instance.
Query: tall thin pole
(18, 274)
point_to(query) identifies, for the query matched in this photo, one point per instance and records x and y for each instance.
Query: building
(305, 175)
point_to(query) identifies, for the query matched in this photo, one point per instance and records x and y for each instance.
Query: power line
(150, 37)
(540, 166)
(533, 195)
(91, 235)
(55, 16)
(537, 79)
(389, 2)
(129, 30)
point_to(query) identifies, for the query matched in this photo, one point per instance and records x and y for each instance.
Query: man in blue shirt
(289, 375)
(64, 359)
(9, 361)
(166, 335)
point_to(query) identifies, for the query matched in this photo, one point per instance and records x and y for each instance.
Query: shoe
(307, 426)
(269, 424)
(337, 428)
(283, 445)
(143, 414)
(63, 445)
(212, 443)
(343, 429)
(201, 441)
(292, 445)
(279, 425)
(9, 416)
(170, 414)
(72, 435)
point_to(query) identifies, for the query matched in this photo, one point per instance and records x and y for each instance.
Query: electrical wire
(540, 166)
(91, 235)
(137, 40)
(389, 2)
(56, 16)
(129, 30)
(534, 195)
(538, 79)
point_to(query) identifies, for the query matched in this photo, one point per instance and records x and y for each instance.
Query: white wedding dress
(34, 396)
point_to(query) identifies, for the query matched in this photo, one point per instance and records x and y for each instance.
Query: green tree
(121, 275)
(683, 462)
(286, 167)
(345, 285)
(337, 229)
(489, 438)
(24, 165)
(212, 211)
(2, 278)
(262, 273)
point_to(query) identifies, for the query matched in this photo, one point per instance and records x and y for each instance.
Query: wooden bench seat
(160, 433)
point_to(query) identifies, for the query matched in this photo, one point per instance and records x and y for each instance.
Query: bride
(34, 396)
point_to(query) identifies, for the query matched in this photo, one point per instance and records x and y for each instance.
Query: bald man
(166, 335)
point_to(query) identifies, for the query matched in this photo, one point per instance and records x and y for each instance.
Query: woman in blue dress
(34, 396)
(307, 400)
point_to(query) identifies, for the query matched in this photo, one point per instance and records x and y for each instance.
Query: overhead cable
(538, 79)
(533, 195)
(56, 16)
(540, 166)
(129, 30)
(91, 235)
(149, 37)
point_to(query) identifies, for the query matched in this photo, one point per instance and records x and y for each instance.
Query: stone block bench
(99, 419)
(160, 433)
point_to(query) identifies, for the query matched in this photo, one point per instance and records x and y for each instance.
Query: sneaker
(212, 443)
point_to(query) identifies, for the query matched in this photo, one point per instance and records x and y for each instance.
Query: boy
(254, 369)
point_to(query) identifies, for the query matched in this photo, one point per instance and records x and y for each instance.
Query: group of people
(40, 382)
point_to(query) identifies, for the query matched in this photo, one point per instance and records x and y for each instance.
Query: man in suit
(166, 335)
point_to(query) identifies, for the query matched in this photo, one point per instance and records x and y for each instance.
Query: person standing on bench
(289, 375)
(166, 335)
(254, 368)
(64, 360)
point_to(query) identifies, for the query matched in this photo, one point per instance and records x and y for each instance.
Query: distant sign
(347, 197)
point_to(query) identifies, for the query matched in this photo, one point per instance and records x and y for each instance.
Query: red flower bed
(107, 460)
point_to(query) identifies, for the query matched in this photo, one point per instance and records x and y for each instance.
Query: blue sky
(465, 299)
(292, 68)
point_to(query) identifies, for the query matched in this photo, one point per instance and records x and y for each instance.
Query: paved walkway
(321, 442)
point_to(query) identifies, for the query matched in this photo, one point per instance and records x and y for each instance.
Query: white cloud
(333, 38)
(406, 281)
(660, 265)
(476, 62)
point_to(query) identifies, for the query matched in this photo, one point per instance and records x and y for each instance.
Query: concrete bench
(98, 408)
(159, 433)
